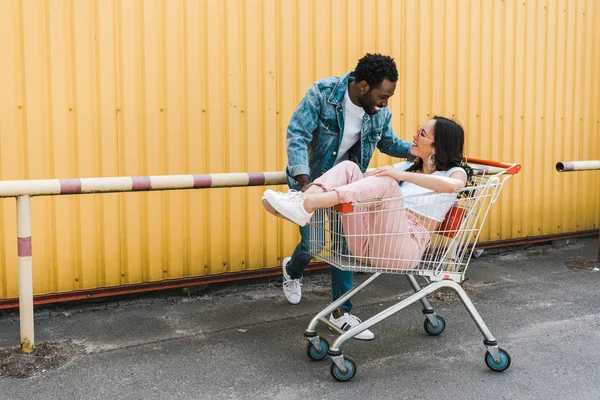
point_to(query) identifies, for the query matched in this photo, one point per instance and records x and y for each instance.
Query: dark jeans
(341, 281)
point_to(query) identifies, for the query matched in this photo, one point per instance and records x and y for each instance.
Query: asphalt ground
(244, 341)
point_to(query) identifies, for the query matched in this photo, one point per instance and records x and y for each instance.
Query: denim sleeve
(390, 144)
(300, 131)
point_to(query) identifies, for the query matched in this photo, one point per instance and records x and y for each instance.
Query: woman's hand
(389, 170)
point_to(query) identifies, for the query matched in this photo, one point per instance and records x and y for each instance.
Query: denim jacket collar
(339, 90)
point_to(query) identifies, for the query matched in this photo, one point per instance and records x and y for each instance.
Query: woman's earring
(431, 162)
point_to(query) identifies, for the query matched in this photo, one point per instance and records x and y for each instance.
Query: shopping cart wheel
(434, 330)
(315, 354)
(498, 366)
(338, 375)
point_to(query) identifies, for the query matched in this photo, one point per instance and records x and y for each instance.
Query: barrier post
(25, 274)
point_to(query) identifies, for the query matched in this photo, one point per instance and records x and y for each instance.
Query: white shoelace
(293, 196)
(293, 284)
(353, 320)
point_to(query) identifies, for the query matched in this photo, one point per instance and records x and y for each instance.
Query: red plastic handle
(510, 168)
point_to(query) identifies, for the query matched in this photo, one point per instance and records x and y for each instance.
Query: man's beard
(369, 109)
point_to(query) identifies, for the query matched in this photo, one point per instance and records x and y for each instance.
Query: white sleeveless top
(435, 205)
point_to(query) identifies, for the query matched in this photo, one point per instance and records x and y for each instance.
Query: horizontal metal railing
(589, 165)
(23, 191)
(566, 166)
(56, 187)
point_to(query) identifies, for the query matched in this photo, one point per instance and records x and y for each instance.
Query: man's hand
(303, 182)
(389, 171)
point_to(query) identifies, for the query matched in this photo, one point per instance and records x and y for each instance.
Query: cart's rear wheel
(434, 330)
(498, 366)
(315, 354)
(340, 376)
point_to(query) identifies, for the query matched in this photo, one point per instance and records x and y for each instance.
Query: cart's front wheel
(434, 330)
(317, 355)
(340, 376)
(498, 366)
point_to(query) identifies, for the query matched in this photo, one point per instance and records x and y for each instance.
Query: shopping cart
(373, 237)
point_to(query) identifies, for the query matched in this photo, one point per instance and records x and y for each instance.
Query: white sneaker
(270, 208)
(347, 321)
(291, 287)
(290, 205)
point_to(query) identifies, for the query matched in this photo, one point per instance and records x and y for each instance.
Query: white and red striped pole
(23, 190)
(55, 187)
(25, 274)
(566, 166)
(589, 165)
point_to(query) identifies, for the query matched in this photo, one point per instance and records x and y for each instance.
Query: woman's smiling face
(423, 140)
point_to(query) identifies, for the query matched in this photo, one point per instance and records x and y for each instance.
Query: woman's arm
(456, 181)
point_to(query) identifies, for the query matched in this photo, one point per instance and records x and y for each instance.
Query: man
(340, 118)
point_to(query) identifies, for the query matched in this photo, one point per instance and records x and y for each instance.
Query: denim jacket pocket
(375, 135)
(328, 128)
(373, 138)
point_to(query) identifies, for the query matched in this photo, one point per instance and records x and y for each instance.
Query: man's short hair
(375, 68)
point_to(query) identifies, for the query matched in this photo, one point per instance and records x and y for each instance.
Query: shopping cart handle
(510, 168)
(344, 208)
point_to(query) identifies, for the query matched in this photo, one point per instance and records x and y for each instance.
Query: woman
(392, 233)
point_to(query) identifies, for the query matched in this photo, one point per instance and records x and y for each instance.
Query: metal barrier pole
(590, 165)
(24, 189)
(25, 274)
(566, 166)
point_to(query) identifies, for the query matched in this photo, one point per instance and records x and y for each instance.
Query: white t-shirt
(434, 205)
(353, 116)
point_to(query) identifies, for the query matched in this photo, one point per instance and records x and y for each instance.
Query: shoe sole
(284, 266)
(365, 340)
(273, 211)
(277, 213)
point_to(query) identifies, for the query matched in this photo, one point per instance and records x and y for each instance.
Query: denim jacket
(315, 132)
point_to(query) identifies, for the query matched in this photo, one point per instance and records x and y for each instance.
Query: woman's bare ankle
(314, 188)
(308, 204)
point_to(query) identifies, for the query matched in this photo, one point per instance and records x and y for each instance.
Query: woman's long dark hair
(448, 144)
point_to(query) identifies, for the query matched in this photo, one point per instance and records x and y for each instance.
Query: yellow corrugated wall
(132, 87)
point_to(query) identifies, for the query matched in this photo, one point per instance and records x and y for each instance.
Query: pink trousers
(382, 234)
